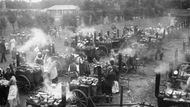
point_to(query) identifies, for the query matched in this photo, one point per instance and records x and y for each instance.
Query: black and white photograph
(94, 53)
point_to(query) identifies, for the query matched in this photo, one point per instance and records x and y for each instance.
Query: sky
(34, 0)
(31, 0)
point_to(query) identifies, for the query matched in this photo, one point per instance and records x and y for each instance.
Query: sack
(115, 87)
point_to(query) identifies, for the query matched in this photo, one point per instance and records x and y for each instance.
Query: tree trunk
(13, 27)
(4, 32)
(90, 20)
(1, 32)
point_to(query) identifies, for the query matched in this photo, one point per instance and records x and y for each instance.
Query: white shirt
(13, 43)
(50, 67)
(6, 45)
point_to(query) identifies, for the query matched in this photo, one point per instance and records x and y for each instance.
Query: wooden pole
(121, 96)
(17, 59)
(157, 85)
(176, 57)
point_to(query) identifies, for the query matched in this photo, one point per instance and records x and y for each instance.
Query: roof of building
(180, 12)
(63, 7)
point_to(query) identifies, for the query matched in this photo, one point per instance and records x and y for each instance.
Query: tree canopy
(3, 25)
(25, 21)
(44, 21)
(69, 20)
(12, 18)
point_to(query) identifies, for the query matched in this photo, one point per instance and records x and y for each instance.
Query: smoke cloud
(38, 38)
(162, 68)
(86, 30)
(128, 51)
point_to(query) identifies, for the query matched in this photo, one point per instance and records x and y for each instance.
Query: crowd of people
(78, 63)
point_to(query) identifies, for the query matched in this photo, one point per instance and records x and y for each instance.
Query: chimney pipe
(17, 59)
(157, 85)
(120, 62)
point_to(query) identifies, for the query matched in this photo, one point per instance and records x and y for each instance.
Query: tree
(16, 4)
(25, 21)
(12, 18)
(93, 11)
(44, 21)
(69, 20)
(3, 25)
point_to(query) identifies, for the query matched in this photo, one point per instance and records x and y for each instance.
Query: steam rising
(129, 51)
(85, 31)
(162, 68)
(69, 94)
(38, 38)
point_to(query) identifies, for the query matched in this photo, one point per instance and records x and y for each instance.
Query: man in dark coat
(84, 68)
(108, 83)
(115, 69)
(110, 77)
(73, 71)
(3, 51)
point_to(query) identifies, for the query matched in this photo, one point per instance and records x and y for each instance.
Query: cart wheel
(80, 98)
(23, 83)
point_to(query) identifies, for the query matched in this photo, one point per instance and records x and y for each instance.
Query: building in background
(57, 11)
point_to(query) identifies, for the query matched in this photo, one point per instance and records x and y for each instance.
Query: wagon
(98, 48)
(170, 87)
(87, 90)
(28, 77)
(84, 94)
(105, 47)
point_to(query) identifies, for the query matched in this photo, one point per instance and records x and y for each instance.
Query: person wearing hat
(114, 68)
(39, 59)
(110, 77)
(73, 70)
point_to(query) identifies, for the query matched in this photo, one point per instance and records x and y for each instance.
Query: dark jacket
(110, 77)
(2, 47)
(84, 68)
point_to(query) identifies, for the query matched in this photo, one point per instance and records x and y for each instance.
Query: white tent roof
(63, 7)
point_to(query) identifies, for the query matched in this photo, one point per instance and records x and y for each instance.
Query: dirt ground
(142, 83)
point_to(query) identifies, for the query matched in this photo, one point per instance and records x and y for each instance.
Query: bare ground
(142, 83)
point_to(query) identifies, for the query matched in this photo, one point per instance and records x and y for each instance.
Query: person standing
(109, 78)
(73, 71)
(39, 59)
(3, 51)
(84, 68)
(13, 96)
(50, 70)
(12, 44)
